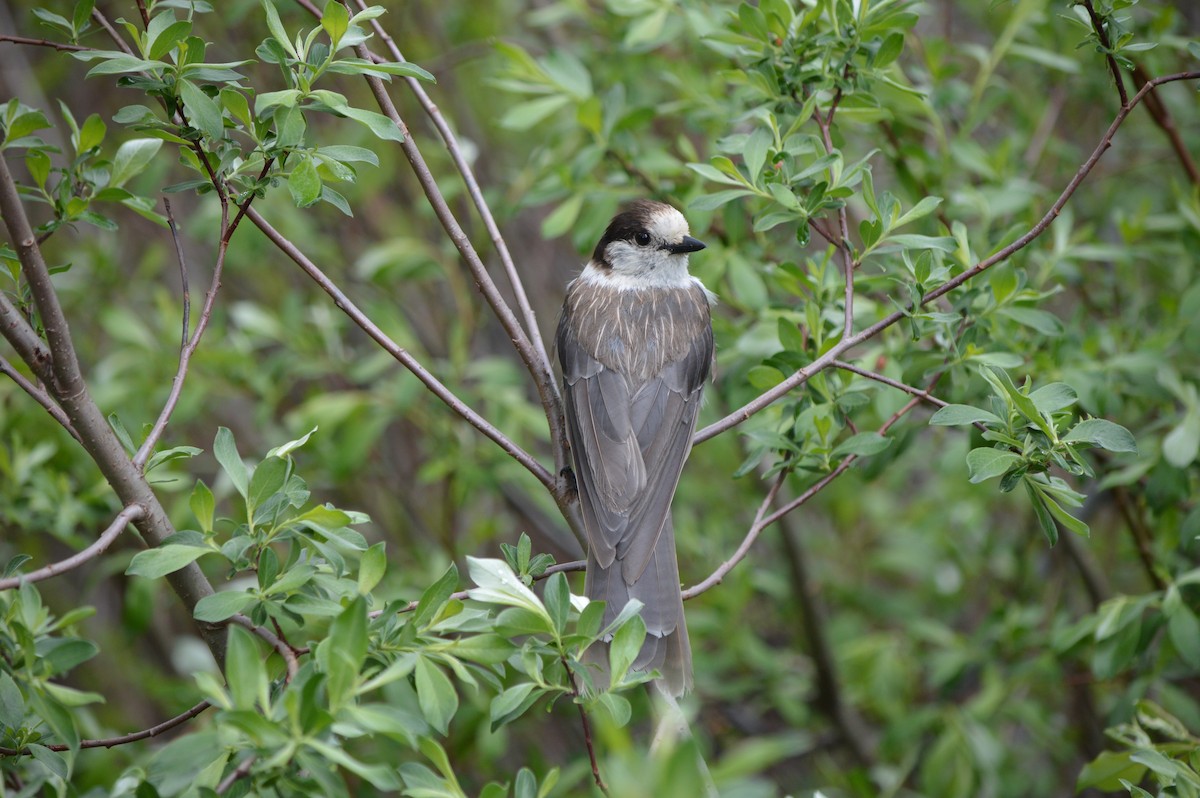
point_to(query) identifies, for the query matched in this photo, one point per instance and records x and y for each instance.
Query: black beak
(686, 244)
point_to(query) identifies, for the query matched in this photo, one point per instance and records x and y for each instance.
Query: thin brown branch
(17, 330)
(752, 534)
(587, 726)
(4, 37)
(141, 4)
(274, 641)
(1142, 536)
(189, 345)
(1162, 117)
(103, 22)
(39, 396)
(543, 377)
(183, 277)
(846, 343)
(475, 192)
(843, 237)
(237, 774)
(124, 739)
(123, 519)
(1106, 44)
(435, 386)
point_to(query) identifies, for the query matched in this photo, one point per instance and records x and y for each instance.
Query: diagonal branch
(846, 343)
(476, 194)
(124, 739)
(39, 396)
(435, 386)
(130, 514)
(1106, 44)
(543, 377)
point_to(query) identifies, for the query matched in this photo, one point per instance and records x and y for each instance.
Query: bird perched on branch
(636, 346)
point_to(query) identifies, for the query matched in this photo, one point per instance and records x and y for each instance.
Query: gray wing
(629, 443)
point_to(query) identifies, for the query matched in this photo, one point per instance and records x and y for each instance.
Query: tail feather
(667, 648)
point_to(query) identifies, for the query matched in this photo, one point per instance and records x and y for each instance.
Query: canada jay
(636, 345)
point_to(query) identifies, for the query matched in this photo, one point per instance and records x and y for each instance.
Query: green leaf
(513, 703)
(357, 66)
(304, 183)
(276, 28)
(755, 153)
(985, 463)
(164, 560)
(1046, 323)
(1107, 771)
(558, 600)
(169, 38)
(54, 762)
(957, 415)
(864, 444)
(435, 597)
(132, 157)
(246, 673)
(335, 20)
(12, 703)
(202, 111)
(1102, 433)
(268, 480)
(1182, 444)
(625, 646)
(371, 568)
(527, 114)
(225, 450)
(1053, 397)
(203, 506)
(60, 655)
(91, 134)
(221, 606)
(1183, 627)
(436, 695)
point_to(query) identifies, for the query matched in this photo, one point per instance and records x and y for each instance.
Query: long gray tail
(667, 648)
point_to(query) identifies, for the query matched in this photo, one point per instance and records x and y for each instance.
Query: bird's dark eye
(642, 238)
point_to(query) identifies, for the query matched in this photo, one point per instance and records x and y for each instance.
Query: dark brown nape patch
(634, 217)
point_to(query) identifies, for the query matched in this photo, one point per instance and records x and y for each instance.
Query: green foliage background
(909, 631)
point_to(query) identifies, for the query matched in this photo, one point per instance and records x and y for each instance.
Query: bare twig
(4, 37)
(843, 237)
(123, 519)
(30, 347)
(476, 193)
(1142, 536)
(39, 396)
(752, 534)
(273, 640)
(1102, 35)
(543, 377)
(587, 726)
(1162, 117)
(189, 345)
(431, 382)
(846, 343)
(183, 277)
(124, 739)
(238, 773)
(103, 22)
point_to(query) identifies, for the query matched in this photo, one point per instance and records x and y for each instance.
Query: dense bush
(938, 530)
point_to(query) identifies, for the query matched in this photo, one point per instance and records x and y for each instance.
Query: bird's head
(646, 241)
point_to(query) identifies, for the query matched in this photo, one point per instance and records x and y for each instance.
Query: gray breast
(638, 333)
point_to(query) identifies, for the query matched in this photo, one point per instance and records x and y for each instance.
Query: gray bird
(636, 346)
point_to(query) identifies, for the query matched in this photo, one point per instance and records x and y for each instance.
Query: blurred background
(906, 632)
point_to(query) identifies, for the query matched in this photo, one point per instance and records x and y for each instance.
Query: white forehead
(667, 224)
